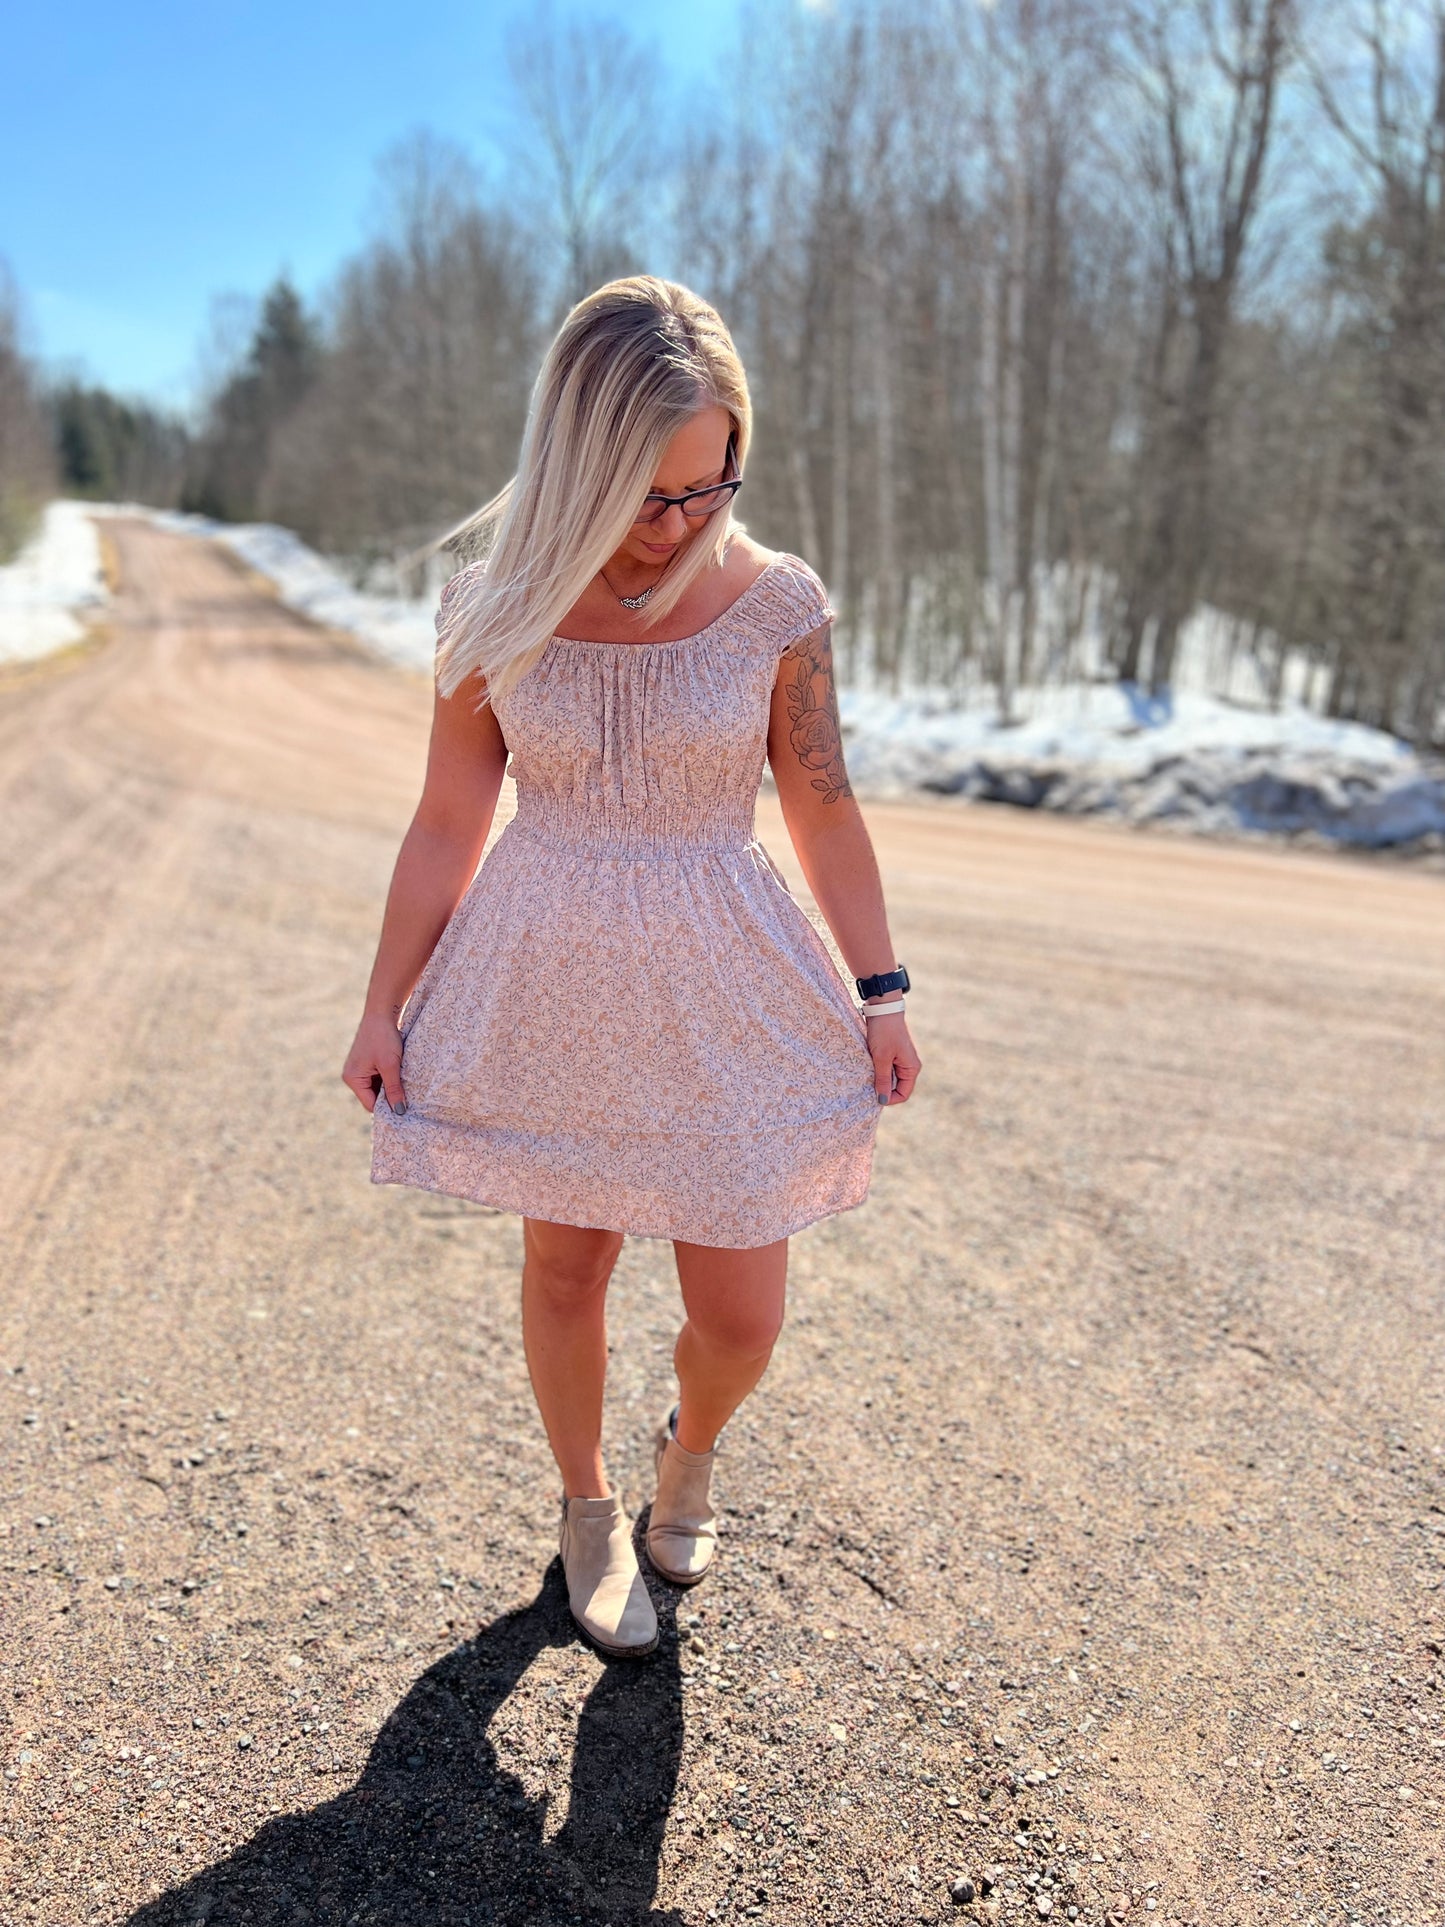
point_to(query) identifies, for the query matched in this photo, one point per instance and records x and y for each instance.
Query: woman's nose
(670, 526)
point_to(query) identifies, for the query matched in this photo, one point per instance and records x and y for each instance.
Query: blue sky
(157, 154)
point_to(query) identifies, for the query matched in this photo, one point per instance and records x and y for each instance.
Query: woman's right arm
(438, 859)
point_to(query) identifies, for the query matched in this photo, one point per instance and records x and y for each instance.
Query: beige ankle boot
(604, 1587)
(682, 1530)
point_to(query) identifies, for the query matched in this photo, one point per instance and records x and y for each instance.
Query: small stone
(1405, 1792)
(112, 1584)
(1150, 1904)
(43, 1520)
(952, 1800)
(1044, 1904)
(961, 1892)
(243, 1741)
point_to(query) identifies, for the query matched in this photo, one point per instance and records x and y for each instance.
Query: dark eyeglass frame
(732, 483)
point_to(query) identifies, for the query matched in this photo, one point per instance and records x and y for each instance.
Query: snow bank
(1083, 747)
(52, 585)
(1192, 761)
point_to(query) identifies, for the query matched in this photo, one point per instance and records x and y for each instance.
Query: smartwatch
(879, 986)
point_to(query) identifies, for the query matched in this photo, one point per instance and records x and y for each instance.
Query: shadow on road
(437, 1833)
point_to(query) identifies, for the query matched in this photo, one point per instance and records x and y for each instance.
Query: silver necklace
(632, 601)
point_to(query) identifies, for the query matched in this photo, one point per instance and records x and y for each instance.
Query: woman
(623, 1022)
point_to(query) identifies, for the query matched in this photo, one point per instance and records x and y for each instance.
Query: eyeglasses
(698, 502)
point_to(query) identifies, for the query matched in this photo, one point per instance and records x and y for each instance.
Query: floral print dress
(629, 1022)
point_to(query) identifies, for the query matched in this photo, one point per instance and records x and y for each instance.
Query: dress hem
(421, 1156)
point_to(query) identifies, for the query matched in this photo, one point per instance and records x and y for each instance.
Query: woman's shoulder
(787, 597)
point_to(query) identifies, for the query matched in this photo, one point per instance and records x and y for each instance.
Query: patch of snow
(52, 585)
(1190, 760)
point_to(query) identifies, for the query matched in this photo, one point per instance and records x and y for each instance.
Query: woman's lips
(660, 548)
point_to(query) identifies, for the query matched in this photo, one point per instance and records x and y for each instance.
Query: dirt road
(1086, 1537)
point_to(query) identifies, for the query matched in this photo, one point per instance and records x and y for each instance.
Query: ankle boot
(604, 1587)
(682, 1530)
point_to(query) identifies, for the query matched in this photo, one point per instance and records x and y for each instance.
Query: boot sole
(614, 1652)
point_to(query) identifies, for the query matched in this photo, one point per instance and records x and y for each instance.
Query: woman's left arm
(805, 749)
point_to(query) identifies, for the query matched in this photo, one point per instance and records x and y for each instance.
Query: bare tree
(1210, 75)
(1384, 98)
(590, 97)
(433, 333)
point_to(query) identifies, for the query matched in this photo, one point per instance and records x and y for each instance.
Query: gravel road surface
(1083, 1547)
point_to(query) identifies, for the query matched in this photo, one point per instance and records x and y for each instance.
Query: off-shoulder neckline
(678, 642)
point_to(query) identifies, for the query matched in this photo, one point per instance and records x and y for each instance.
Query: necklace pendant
(636, 601)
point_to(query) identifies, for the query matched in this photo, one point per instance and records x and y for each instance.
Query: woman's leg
(734, 1304)
(564, 1333)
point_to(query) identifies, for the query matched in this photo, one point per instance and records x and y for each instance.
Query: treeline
(76, 439)
(27, 454)
(1065, 320)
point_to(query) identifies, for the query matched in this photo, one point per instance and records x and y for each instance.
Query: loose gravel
(1083, 1546)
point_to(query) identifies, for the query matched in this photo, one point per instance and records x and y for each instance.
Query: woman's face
(696, 455)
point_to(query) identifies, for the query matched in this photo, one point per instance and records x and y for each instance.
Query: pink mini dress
(628, 1021)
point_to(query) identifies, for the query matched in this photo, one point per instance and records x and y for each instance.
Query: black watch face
(903, 973)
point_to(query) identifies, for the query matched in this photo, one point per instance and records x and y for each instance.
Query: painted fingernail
(399, 1108)
(882, 1097)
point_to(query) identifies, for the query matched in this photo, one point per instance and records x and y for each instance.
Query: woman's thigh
(735, 1298)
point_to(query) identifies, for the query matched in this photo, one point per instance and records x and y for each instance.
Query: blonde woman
(622, 1022)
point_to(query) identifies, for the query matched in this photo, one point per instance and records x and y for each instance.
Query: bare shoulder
(746, 559)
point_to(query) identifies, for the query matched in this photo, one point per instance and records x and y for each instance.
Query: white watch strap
(883, 1010)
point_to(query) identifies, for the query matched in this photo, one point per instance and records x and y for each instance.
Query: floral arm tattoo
(813, 726)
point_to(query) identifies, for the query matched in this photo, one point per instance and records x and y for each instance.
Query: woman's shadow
(437, 1833)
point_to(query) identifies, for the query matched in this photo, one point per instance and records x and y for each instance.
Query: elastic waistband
(631, 841)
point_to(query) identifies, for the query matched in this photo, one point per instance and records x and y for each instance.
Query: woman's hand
(895, 1061)
(375, 1056)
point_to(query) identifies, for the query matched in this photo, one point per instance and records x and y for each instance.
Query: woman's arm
(805, 749)
(438, 859)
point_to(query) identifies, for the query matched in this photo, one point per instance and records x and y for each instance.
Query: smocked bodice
(642, 748)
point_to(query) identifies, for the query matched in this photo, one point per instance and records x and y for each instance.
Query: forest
(1065, 320)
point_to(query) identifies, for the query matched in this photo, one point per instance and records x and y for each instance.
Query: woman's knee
(745, 1328)
(566, 1265)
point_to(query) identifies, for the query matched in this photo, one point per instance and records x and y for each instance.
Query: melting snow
(52, 585)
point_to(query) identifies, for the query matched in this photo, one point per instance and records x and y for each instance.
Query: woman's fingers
(907, 1075)
(361, 1086)
(390, 1075)
(374, 1065)
(895, 1062)
(882, 1073)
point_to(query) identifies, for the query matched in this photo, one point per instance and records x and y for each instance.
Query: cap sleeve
(447, 607)
(793, 602)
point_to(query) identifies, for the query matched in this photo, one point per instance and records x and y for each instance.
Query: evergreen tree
(245, 416)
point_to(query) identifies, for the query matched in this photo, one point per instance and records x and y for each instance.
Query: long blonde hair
(629, 366)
